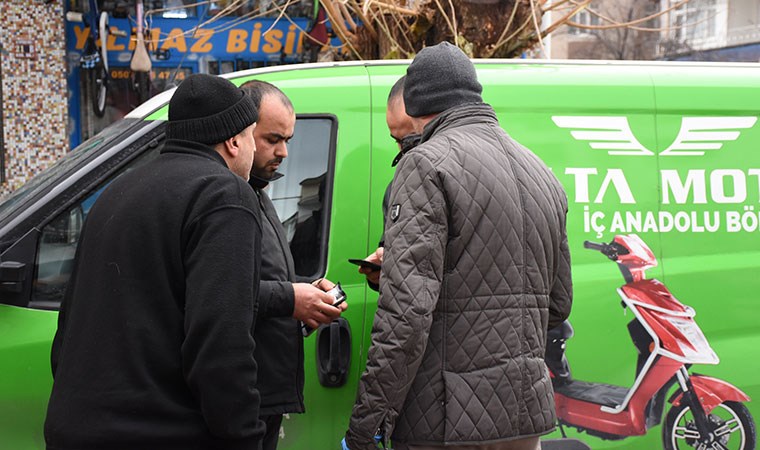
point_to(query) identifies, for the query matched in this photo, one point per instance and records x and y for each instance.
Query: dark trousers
(531, 443)
(273, 431)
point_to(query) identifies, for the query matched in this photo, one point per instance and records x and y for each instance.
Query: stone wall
(34, 91)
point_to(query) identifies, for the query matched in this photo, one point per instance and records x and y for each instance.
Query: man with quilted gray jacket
(476, 268)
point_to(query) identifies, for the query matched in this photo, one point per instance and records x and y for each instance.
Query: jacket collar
(192, 148)
(257, 182)
(465, 114)
(407, 143)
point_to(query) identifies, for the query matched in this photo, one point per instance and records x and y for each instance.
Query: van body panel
(713, 264)
(25, 381)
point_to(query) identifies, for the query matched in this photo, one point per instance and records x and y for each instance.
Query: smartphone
(364, 263)
(338, 294)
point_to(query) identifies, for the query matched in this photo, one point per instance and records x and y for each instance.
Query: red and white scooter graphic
(706, 413)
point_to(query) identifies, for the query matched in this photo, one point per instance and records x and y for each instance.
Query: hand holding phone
(338, 294)
(364, 263)
(339, 297)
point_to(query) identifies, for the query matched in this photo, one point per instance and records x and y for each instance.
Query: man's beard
(263, 172)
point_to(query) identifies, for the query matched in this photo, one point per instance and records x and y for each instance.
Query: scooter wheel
(730, 422)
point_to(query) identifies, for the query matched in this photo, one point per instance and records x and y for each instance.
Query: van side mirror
(12, 276)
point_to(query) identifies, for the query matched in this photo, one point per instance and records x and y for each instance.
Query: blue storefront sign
(180, 42)
(180, 46)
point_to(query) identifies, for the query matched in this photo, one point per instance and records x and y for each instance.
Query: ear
(231, 146)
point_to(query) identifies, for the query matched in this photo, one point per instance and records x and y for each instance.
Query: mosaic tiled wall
(33, 71)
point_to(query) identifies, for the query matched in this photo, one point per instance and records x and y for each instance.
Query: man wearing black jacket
(283, 300)
(154, 348)
(401, 128)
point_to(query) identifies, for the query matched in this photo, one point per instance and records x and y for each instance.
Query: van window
(53, 175)
(300, 197)
(58, 244)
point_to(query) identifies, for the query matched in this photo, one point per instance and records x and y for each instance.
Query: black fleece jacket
(278, 335)
(154, 348)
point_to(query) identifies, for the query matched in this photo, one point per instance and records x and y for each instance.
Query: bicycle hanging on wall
(94, 59)
(140, 65)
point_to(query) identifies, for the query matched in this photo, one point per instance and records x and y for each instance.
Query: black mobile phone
(364, 263)
(338, 294)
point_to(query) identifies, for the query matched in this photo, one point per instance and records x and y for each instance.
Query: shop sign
(25, 49)
(261, 39)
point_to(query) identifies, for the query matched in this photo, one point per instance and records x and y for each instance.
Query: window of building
(584, 17)
(695, 20)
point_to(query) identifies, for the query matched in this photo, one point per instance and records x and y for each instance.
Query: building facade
(184, 37)
(711, 30)
(570, 42)
(34, 118)
(699, 30)
(46, 91)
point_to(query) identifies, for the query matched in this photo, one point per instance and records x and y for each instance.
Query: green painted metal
(25, 380)
(715, 272)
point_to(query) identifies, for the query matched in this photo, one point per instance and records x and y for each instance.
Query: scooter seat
(598, 393)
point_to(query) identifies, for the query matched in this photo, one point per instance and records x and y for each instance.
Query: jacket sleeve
(221, 281)
(561, 296)
(276, 299)
(386, 200)
(416, 235)
(55, 350)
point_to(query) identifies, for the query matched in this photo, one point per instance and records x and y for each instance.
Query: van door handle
(334, 353)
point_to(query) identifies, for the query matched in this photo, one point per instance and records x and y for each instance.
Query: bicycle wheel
(99, 73)
(98, 88)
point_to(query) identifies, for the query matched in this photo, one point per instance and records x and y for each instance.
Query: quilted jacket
(476, 267)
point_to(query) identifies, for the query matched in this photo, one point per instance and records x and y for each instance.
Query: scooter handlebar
(598, 246)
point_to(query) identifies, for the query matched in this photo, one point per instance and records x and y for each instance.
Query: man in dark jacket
(476, 267)
(283, 301)
(401, 129)
(154, 348)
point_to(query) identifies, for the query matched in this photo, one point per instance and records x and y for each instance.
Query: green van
(661, 164)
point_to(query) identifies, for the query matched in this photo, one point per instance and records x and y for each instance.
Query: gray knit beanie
(209, 109)
(440, 77)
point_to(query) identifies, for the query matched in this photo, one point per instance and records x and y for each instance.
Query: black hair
(259, 89)
(397, 90)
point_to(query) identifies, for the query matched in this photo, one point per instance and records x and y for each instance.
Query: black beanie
(209, 109)
(440, 77)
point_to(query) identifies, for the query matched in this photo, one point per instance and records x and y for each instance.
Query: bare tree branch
(564, 20)
(616, 24)
(505, 28)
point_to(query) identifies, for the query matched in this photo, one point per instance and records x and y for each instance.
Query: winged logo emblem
(614, 134)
